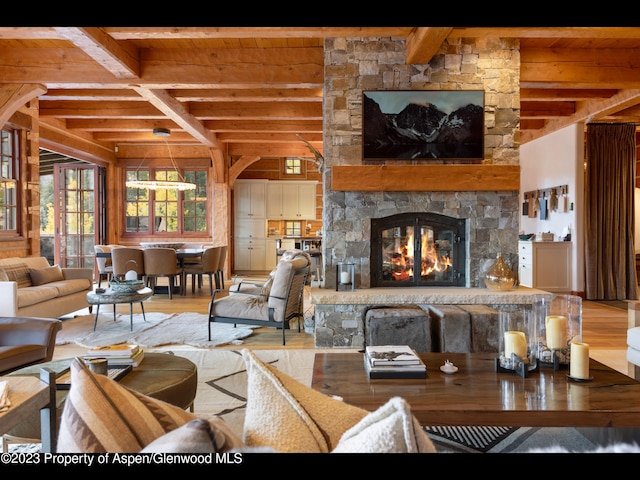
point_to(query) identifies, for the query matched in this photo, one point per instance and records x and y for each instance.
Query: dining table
(181, 253)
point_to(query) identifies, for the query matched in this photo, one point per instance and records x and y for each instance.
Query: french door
(79, 214)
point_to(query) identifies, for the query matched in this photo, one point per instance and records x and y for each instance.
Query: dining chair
(163, 262)
(219, 275)
(125, 259)
(208, 265)
(104, 264)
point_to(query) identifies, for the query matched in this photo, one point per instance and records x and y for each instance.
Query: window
(9, 154)
(167, 210)
(293, 229)
(292, 166)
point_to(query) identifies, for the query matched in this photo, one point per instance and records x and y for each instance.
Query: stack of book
(120, 355)
(393, 361)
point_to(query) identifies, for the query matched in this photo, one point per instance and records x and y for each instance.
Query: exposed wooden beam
(424, 42)
(579, 68)
(119, 59)
(249, 95)
(13, 97)
(134, 33)
(177, 113)
(171, 68)
(437, 178)
(565, 94)
(584, 113)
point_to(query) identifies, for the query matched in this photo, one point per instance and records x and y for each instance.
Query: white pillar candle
(345, 277)
(515, 342)
(556, 328)
(579, 362)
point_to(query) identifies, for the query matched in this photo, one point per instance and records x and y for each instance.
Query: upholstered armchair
(274, 304)
(26, 341)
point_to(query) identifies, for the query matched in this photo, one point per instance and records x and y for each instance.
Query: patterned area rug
(485, 439)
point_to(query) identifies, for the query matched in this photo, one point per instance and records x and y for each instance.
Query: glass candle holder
(517, 342)
(558, 323)
(345, 276)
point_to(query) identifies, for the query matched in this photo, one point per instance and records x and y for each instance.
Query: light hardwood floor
(604, 327)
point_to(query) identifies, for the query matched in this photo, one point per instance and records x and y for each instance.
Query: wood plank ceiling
(248, 91)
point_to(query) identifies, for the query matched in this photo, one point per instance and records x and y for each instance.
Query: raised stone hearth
(339, 315)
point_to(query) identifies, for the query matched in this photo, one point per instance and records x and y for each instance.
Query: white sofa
(30, 287)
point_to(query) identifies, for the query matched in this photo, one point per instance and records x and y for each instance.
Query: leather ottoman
(164, 376)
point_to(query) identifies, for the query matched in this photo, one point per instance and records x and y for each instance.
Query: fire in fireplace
(417, 249)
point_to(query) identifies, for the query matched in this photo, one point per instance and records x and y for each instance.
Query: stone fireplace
(485, 219)
(418, 249)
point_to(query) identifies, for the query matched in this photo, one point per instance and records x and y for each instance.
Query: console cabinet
(545, 265)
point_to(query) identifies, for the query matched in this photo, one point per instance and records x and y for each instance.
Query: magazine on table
(392, 355)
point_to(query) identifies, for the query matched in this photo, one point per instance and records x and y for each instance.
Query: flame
(402, 261)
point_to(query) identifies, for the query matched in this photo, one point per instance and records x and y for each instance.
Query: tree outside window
(167, 210)
(9, 154)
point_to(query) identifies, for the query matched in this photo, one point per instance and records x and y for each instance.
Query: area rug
(159, 329)
(489, 439)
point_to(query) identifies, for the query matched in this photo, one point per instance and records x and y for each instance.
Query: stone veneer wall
(358, 64)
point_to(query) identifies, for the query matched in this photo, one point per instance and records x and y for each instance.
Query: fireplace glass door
(417, 250)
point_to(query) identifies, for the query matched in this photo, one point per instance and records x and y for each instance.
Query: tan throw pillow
(19, 273)
(3, 275)
(196, 436)
(41, 276)
(100, 416)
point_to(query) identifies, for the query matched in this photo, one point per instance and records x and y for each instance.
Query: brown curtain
(609, 203)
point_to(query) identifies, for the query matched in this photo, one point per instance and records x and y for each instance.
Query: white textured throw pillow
(392, 428)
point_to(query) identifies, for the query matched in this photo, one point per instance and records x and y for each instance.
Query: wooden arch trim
(14, 96)
(238, 167)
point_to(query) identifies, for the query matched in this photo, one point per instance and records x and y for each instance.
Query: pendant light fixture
(179, 184)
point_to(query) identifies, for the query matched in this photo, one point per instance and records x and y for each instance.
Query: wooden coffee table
(111, 298)
(28, 395)
(478, 395)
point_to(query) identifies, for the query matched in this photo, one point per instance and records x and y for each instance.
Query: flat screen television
(423, 125)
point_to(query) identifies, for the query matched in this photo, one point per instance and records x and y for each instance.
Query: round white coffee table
(111, 298)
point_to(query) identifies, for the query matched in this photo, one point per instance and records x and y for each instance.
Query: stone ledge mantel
(425, 295)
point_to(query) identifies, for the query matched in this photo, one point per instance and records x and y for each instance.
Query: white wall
(558, 159)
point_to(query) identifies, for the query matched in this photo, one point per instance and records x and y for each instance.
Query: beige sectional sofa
(31, 287)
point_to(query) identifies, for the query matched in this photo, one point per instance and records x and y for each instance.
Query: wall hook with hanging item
(556, 199)
(525, 206)
(553, 200)
(542, 202)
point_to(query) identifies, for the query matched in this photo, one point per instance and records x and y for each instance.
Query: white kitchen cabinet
(289, 200)
(271, 257)
(250, 228)
(545, 265)
(250, 254)
(250, 199)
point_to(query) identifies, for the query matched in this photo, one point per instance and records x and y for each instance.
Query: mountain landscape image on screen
(422, 131)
